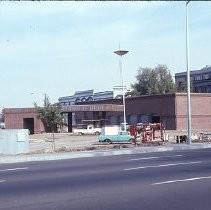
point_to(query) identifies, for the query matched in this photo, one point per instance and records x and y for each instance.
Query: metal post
(123, 92)
(121, 53)
(188, 78)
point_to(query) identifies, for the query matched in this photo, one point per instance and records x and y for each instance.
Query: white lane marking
(182, 180)
(164, 165)
(154, 157)
(2, 181)
(13, 169)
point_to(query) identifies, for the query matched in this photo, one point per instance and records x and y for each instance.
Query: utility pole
(188, 77)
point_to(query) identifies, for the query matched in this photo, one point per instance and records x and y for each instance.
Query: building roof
(204, 70)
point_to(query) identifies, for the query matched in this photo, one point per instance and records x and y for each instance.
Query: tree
(50, 115)
(151, 81)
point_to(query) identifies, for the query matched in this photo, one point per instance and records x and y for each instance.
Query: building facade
(170, 109)
(200, 80)
(90, 95)
(85, 96)
(82, 96)
(23, 118)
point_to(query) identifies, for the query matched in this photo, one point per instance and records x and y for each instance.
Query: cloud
(26, 9)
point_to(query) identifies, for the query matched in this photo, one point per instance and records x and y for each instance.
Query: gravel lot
(63, 141)
(66, 142)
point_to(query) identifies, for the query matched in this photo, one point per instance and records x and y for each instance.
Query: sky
(57, 48)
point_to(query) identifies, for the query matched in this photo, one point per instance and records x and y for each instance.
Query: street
(161, 181)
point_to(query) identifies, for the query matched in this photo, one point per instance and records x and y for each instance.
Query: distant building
(200, 80)
(83, 96)
(79, 96)
(89, 95)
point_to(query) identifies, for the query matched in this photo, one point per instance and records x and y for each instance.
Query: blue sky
(58, 48)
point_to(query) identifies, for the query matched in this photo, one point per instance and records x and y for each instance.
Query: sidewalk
(99, 153)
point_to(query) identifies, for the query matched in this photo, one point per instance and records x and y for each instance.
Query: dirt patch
(66, 142)
(42, 143)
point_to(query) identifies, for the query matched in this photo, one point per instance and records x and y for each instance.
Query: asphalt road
(151, 181)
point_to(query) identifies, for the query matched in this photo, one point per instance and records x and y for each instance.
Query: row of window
(201, 77)
(194, 78)
(202, 89)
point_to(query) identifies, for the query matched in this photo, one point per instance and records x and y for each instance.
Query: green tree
(151, 81)
(50, 115)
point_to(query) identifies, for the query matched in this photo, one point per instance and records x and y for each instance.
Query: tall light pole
(121, 53)
(188, 77)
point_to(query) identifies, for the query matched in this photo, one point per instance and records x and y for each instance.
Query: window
(198, 77)
(206, 76)
(209, 89)
(181, 79)
(196, 90)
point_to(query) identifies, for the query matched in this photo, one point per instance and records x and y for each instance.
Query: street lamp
(121, 53)
(188, 77)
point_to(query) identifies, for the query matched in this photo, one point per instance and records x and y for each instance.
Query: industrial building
(170, 109)
(90, 95)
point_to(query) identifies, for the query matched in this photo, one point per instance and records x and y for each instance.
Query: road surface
(150, 181)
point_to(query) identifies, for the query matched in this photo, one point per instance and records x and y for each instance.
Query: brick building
(26, 118)
(171, 109)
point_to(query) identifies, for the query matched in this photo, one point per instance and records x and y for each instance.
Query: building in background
(170, 109)
(83, 96)
(200, 80)
(90, 95)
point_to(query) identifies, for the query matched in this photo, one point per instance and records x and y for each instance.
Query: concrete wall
(14, 141)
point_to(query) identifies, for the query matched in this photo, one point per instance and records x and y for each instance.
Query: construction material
(148, 132)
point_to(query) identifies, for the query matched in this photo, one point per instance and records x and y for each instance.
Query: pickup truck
(89, 129)
(121, 136)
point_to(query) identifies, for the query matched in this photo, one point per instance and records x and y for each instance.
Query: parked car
(87, 129)
(121, 136)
